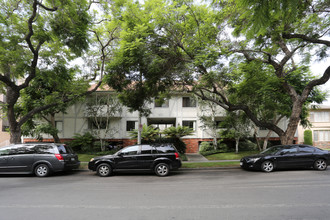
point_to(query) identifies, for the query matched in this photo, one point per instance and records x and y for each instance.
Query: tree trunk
(15, 135)
(288, 136)
(256, 136)
(236, 147)
(14, 127)
(139, 129)
(266, 139)
(55, 135)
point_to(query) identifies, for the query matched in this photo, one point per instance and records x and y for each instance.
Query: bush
(223, 147)
(308, 137)
(205, 146)
(247, 145)
(82, 143)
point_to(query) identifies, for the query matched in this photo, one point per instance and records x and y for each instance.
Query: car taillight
(59, 157)
(177, 156)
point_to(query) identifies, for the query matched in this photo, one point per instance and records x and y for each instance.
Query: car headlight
(253, 160)
(91, 160)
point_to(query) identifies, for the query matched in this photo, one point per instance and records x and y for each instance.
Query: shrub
(247, 145)
(223, 147)
(82, 143)
(205, 146)
(308, 137)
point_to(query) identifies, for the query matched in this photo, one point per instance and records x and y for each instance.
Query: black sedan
(287, 156)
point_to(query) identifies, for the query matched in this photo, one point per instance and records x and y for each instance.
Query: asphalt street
(186, 194)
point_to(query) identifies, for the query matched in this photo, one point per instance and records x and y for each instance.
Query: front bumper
(249, 165)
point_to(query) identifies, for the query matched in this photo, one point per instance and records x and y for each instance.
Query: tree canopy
(38, 40)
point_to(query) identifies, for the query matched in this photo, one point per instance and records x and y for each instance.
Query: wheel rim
(268, 166)
(320, 164)
(42, 170)
(162, 170)
(104, 170)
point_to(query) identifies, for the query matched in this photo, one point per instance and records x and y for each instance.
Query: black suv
(38, 158)
(160, 158)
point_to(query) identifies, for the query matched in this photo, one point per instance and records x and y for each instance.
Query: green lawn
(230, 155)
(86, 157)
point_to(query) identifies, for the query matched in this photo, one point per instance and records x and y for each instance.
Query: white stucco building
(179, 109)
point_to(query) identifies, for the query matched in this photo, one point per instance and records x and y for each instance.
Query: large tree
(220, 45)
(280, 35)
(39, 39)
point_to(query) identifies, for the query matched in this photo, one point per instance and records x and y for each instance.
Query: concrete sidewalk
(196, 158)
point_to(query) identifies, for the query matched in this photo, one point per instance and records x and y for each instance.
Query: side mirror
(282, 153)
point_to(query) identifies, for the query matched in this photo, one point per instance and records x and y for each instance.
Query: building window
(161, 103)
(322, 135)
(320, 116)
(98, 123)
(130, 125)
(59, 125)
(188, 102)
(190, 124)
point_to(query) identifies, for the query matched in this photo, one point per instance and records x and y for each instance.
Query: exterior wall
(320, 124)
(4, 136)
(75, 121)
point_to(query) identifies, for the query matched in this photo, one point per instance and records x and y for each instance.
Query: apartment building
(180, 109)
(4, 134)
(320, 120)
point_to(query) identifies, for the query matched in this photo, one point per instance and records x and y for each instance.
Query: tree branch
(306, 38)
(26, 117)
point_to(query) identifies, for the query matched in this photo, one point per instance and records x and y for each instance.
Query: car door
(4, 159)
(126, 158)
(286, 157)
(146, 156)
(305, 156)
(20, 158)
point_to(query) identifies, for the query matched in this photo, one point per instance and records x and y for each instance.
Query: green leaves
(177, 132)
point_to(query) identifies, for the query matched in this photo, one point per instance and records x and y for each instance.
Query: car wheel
(267, 166)
(162, 169)
(104, 170)
(320, 164)
(42, 170)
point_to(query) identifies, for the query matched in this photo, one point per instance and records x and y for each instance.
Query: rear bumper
(71, 166)
(176, 164)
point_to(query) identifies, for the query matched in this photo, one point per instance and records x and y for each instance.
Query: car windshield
(271, 150)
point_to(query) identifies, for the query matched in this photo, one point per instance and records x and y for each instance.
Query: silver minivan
(39, 158)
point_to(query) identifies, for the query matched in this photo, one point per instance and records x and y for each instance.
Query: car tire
(162, 169)
(104, 170)
(267, 166)
(320, 164)
(42, 170)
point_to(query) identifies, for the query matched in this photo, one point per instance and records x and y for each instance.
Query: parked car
(160, 158)
(39, 158)
(287, 156)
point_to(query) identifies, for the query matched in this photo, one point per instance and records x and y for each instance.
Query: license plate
(73, 159)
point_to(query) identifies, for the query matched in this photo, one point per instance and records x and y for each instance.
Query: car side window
(44, 149)
(21, 149)
(147, 149)
(288, 151)
(62, 149)
(130, 150)
(4, 151)
(165, 149)
(306, 149)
